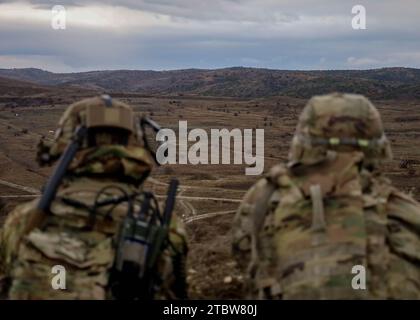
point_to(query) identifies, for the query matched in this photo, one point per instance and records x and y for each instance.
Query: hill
(386, 83)
(12, 87)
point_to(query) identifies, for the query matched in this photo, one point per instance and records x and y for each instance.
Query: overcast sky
(177, 34)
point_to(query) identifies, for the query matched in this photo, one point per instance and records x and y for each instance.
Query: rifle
(170, 201)
(43, 207)
(145, 121)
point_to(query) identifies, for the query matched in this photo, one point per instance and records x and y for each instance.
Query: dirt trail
(19, 187)
(17, 196)
(157, 182)
(208, 215)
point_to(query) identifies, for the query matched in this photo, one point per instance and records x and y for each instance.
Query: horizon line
(210, 69)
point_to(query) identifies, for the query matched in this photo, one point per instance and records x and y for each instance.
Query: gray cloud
(165, 34)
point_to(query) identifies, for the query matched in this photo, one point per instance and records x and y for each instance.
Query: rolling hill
(12, 87)
(386, 83)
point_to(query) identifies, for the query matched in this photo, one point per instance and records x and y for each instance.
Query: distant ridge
(13, 87)
(385, 83)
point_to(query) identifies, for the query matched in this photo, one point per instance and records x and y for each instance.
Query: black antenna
(170, 201)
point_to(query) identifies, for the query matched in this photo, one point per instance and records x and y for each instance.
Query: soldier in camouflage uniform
(112, 161)
(302, 228)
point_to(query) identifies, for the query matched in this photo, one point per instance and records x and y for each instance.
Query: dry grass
(209, 262)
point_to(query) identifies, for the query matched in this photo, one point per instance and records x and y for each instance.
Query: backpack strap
(261, 206)
(318, 215)
(265, 285)
(259, 212)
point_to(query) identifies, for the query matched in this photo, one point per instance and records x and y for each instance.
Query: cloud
(168, 34)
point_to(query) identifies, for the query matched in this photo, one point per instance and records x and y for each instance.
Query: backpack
(83, 237)
(326, 225)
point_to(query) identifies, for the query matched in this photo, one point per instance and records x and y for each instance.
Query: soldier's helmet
(113, 141)
(338, 122)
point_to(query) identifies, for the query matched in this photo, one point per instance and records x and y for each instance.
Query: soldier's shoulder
(402, 198)
(277, 172)
(404, 207)
(277, 176)
(12, 232)
(404, 226)
(17, 216)
(16, 222)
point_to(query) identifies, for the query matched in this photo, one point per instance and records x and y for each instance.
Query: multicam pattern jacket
(299, 232)
(66, 239)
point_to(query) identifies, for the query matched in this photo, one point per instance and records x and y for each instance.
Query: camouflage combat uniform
(71, 236)
(302, 228)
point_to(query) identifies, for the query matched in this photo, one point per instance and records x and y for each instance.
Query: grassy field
(211, 271)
